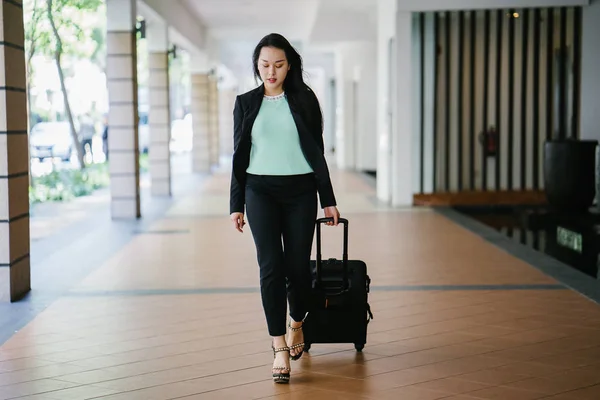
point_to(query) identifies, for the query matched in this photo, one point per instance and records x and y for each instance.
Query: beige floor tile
(178, 315)
(412, 392)
(502, 393)
(453, 386)
(81, 393)
(42, 387)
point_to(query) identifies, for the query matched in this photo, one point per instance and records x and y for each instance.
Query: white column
(213, 119)
(121, 72)
(14, 156)
(200, 114)
(590, 78)
(212, 58)
(386, 30)
(402, 128)
(200, 121)
(159, 116)
(226, 104)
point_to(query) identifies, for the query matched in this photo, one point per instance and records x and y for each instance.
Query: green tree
(58, 29)
(36, 38)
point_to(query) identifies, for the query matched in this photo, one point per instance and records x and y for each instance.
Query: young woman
(278, 169)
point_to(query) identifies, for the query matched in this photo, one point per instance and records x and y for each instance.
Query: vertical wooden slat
(524, 87)
(422, 95)
(486, 75)
(562, 86)
(549, 73)
(576, 71)
(473, 73)
(459, 114)
(448, 77)
(510, 98)
(499, 26)
(436, 27)
(536, 97)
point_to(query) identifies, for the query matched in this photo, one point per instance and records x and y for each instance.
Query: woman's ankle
(297, 320)
(295, 324)
(279, 341)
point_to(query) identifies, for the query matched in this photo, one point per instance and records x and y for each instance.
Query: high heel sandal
(297, 345)
(281, 377)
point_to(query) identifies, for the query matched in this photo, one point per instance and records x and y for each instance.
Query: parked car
(51, 139)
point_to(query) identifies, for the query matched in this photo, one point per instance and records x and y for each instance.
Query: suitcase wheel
(307, 347)
(359, 346)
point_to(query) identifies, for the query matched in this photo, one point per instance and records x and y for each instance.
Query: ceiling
(239, 24)
(253, 19)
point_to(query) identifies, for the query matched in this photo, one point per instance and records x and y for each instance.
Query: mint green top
(275, 141)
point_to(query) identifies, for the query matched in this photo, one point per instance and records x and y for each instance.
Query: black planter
(569, 174)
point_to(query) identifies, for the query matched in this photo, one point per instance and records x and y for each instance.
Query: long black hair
(297, 91)
(294, 81)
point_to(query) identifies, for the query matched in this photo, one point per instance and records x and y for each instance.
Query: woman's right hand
(238, 221)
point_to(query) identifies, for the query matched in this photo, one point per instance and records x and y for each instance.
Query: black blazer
(307, 116)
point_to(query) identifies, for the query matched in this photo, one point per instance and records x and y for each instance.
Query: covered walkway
(176, 313)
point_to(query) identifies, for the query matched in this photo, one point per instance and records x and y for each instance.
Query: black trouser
(282, 207)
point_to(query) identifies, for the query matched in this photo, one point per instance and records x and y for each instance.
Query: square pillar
(213, 117)
(386, 30)
(402, 124)
(121, 75)
(15, 279)
(226, 104)
(201, 160)
(159, 119)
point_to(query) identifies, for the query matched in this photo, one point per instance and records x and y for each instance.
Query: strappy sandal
(298, 345)
(279, 376)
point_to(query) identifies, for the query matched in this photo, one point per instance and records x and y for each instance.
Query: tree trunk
(61, 76)
(29, 69)
(29, 127)
(29, 122)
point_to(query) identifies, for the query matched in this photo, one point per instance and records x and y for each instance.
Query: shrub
(67, 184)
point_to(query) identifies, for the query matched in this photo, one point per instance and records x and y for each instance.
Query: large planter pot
(569, 174)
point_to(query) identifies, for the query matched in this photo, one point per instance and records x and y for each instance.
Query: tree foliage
(63, 29)
(78, 22)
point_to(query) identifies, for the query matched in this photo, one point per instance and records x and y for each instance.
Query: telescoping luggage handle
(343, 221)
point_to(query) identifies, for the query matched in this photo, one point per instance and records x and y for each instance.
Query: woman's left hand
(332, 212)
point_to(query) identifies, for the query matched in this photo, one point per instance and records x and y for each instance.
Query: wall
(448, 178)
(345, 130)
(366, 101)
(590, 76)
(356, 94)
(316, 78)
(320, 66)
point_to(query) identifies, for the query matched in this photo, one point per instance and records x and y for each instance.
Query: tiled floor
(176, 314)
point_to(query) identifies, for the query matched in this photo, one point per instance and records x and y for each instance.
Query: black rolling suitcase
(339, 311)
